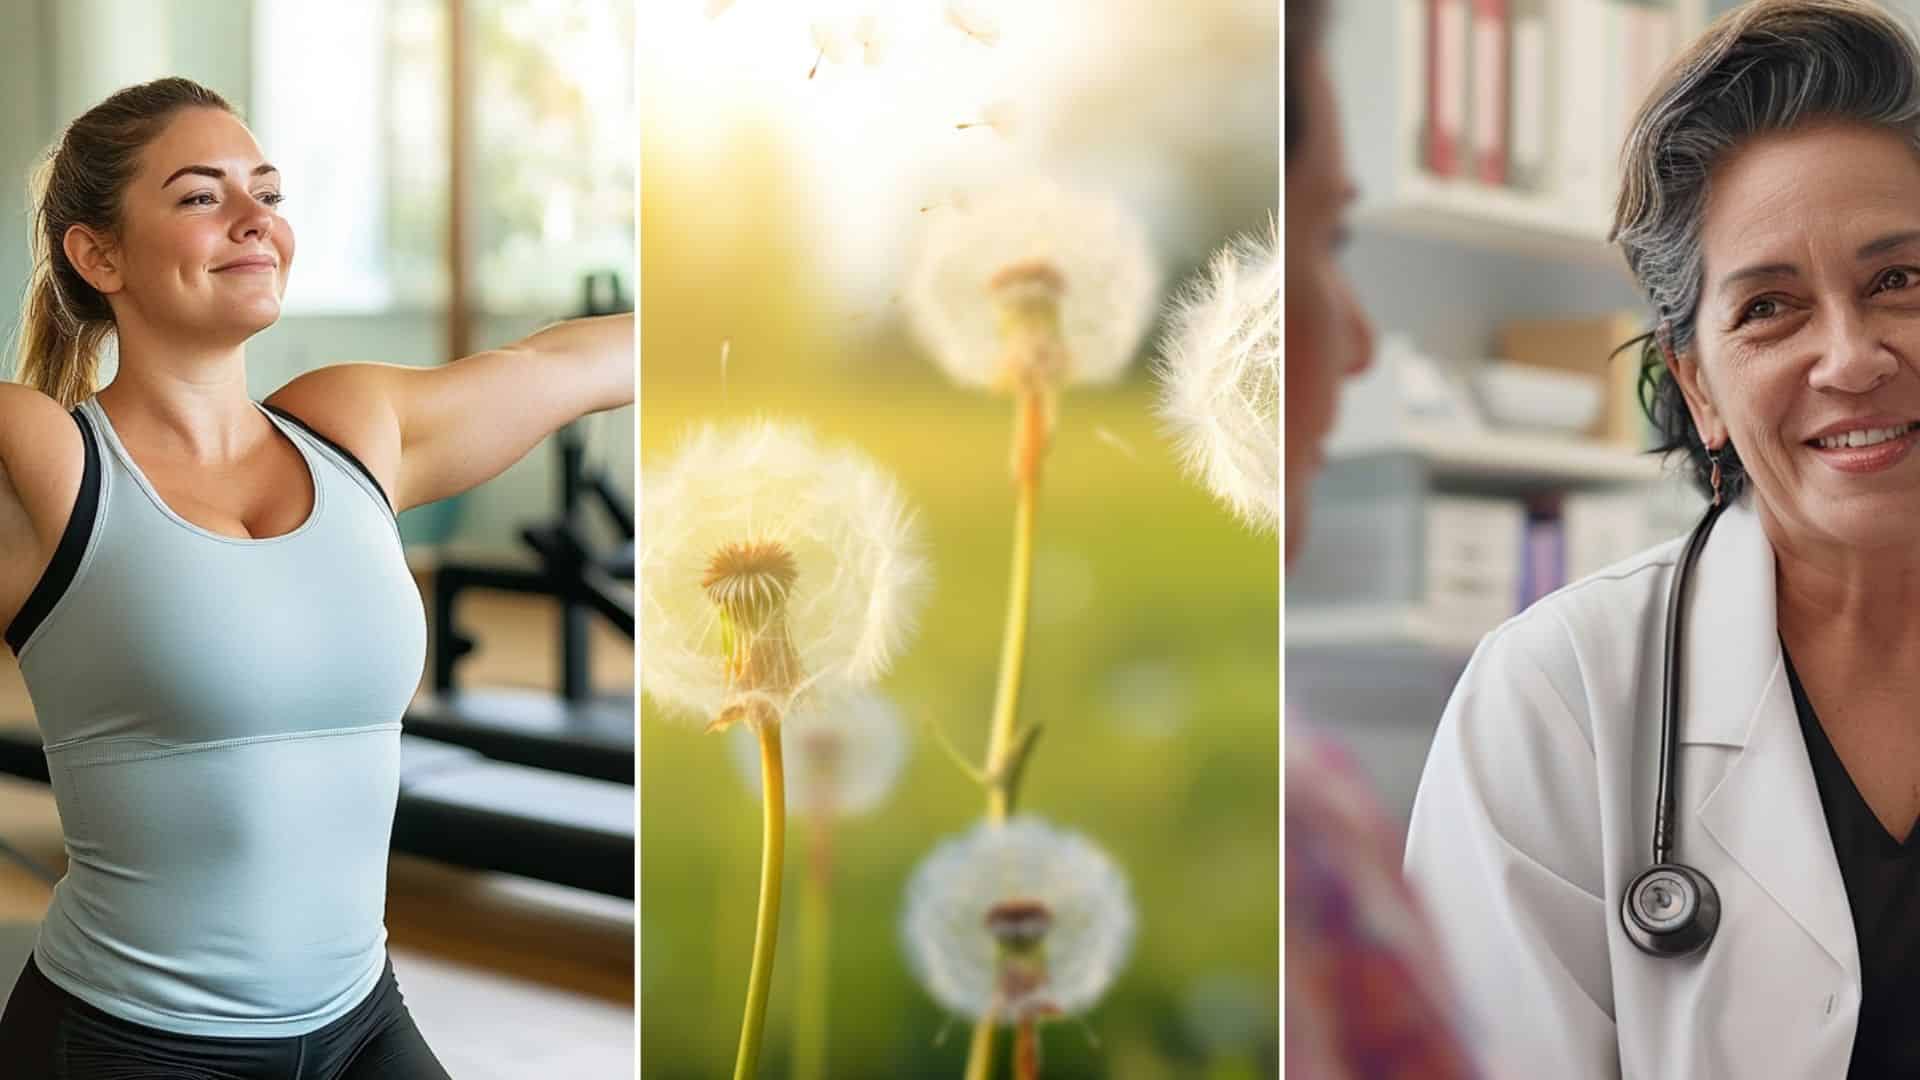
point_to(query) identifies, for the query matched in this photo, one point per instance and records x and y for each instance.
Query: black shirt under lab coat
(1882, 876)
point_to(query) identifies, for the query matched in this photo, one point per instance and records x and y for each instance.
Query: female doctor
(1770, 211)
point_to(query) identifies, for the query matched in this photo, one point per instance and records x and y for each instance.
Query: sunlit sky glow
(877, 140)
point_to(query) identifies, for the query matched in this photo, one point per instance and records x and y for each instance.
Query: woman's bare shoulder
(40, 453)
(27, 417)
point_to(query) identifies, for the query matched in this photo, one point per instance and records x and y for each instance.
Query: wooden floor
(508, 978)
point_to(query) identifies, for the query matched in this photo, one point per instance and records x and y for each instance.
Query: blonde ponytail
(64, 322)
(59, 354)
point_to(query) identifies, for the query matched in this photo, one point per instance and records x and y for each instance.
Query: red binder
(1447, 36)
(1491, 42)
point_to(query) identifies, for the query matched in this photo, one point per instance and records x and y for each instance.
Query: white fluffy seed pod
(1091, 247)
(1022, 864)
(852, 572)
(1219, 371)
(842, 756)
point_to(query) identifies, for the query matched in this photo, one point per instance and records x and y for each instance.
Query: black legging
(48, 1034)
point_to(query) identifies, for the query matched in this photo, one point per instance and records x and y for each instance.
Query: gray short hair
(1767, 66)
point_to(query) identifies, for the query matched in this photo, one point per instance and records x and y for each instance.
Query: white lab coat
(1535, 812)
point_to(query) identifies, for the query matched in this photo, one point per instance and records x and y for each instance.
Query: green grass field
(1154, 653)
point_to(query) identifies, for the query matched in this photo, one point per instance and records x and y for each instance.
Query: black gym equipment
(573, 731)
(459, 807)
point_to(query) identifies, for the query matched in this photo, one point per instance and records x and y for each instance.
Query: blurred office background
(780, 214)
(356, 102)
(1494, 452)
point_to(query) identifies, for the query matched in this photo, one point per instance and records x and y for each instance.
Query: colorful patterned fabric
(1365, 995)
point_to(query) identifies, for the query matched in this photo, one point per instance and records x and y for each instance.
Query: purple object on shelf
(1545, 555)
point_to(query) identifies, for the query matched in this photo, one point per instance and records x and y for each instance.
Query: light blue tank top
(222, 726)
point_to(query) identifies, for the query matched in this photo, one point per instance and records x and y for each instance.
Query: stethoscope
(1671, 909)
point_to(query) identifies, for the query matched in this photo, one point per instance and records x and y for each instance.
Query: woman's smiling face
(203, 251)
(1808, 330)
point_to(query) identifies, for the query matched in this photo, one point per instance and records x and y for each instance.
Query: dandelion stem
(1004, 759)
(980, 1051)
(1026, 1052)
(810, 1010)
(773, 843)
(1029, 445)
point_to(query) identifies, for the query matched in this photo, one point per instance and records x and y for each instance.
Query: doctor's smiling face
(1808, 330)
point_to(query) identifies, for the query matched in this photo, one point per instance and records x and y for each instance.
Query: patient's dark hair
(1767, 66)
(1304, 18)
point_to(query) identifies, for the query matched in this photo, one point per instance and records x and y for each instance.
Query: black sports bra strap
(333, 446)
(65, 564)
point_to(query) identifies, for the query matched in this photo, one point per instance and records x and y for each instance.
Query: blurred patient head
(155, 221)
(1770, 210)
(1327, 336)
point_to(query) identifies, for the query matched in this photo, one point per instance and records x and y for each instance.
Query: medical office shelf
(1491, 460)
(1380, 70)
(1489, 219)
(1388, 482)
(1380, 628)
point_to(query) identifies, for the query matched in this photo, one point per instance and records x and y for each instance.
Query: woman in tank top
(213, 614)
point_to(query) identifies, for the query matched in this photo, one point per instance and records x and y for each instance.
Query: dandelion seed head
(1019, 923)
(772, 567)
(1019, 919)
(1219, 372)
(1029, 281)
(750, 577)
(1089, 251)
(843, 755)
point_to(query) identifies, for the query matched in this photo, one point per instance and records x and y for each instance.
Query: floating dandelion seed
(770, 567)
(1017, 922)
(999, 116)
(831, 40)
(1219, 371)
(1117, 443)
(870, 35)
(1032, 283)
(971, 21)
(957, 201)
(843, 755)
